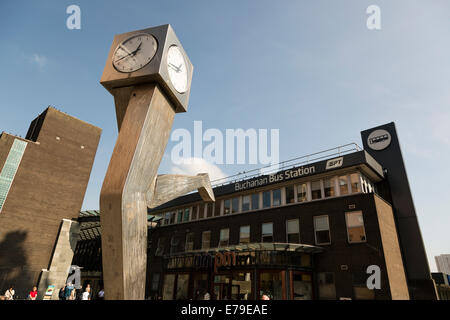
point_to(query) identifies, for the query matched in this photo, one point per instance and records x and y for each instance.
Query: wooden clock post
(149, 75)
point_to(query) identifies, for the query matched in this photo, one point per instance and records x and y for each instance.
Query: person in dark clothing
(61, 293)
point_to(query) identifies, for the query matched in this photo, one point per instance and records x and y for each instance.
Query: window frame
(315, 230)
(262, 233)
(298, 232)
(347, 227)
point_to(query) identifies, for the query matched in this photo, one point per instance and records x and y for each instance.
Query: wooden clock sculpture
(149, 75)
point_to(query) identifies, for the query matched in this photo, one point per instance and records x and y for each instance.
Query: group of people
(69, 292)
(10, 294)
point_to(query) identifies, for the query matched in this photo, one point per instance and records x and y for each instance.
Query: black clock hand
(130, 54)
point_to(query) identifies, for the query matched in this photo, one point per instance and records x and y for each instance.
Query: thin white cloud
(194, 166)
(39, 60)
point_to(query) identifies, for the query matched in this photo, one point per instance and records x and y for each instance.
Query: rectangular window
(276, 197)
(201, 211)
(206, 239)
(224, 237)
(343, 185)
(322, 230)
(327, 288)
(329, 188)
(155, 282)
(160, 247)
(189, 241)
(209, 209)
(194, 212)
(244, 234)
(302, 192)
(187, 213)
(246, 203)
(227, 206)
(316, 190)
(355, 227)
(235, 205)
(355, 182)
(173, 245)
(266, 199)
(290, 197)
(267, 232)
(217, 208)
(255, 201)
(169, 286)
(10, 167)
(166, 218)
(180, 216)
(293, 231)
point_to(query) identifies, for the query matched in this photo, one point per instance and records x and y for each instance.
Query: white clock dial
(176, 66)
(135, 52)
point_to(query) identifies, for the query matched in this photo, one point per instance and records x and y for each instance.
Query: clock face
(176, 66)
(135, 52)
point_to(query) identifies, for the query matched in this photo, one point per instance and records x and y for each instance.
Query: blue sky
(309, 68)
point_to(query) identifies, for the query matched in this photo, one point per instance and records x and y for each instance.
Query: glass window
(206, 239)
(271, 285)
(235, 205)
(267, 232)
(266, 199)
(245, 203)
(180, 216)
(168, 287)
(327, 288)
(343, 185)
(155, 282)
(355, 182)
(166, 218)
(182, 286)
(290, 197)
(301, 286)
(227, 206)
(201, 211)
(276, 197)
(322, 230)
(241, 286)
(316, 190)
(209, 209)
(255, 201)
(189, 241)
(173, 245)
(160, 247)
(293, 231)
(194, 212)
(360, 290)
(224, 237)
(10, 168)
(244, 234)
(355, 227)
(187, 212)
(302, 192)
(328, 187)
(217, 208)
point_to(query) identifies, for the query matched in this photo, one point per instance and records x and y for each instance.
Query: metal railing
(288, 164)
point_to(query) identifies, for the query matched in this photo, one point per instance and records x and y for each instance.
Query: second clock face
(135, 52)
(176, 66)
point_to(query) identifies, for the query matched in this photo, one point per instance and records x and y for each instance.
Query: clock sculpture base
(144, 129)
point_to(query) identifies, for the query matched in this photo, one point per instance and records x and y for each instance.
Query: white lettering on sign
(276, 177)
(334, 163)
